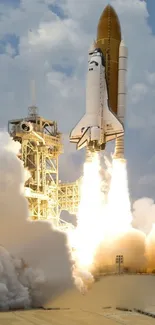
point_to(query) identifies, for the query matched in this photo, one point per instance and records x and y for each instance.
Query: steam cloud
(45, 268)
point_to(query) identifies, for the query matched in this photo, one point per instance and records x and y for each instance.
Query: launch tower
(40, 149)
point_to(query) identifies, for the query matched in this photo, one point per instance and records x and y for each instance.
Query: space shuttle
(105, 88)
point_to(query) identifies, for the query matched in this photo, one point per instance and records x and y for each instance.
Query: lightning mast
(33, 109)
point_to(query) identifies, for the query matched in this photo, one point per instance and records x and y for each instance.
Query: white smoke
(83, 279)
(144, 214)
(20, 286)
(45, 268)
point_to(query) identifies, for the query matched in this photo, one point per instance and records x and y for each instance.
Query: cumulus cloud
(138, 92)
(144, 214)
(53, 40)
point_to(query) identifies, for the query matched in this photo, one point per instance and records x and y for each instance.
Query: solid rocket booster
(122, 71)
(106, 88)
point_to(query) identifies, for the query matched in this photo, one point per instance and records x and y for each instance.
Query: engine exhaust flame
(118, 215)
(99, 221)
(88, 231)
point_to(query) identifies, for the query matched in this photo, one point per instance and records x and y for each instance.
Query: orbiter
(106, 87)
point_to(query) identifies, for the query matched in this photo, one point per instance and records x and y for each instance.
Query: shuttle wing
(113, 126)
(84, 140)
(75, 134)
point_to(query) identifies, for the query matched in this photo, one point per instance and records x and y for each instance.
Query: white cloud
(54, 52)
(71, 162)
(152, 160)
(144, 214)
(138, 92)
(147, 179)
(151, 78)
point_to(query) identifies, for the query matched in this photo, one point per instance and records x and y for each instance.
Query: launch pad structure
(41, 146)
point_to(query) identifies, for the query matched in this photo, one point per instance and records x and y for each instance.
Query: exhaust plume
(88, 233)
(108, 222)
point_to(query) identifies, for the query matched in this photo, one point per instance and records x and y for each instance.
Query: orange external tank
(108, 40)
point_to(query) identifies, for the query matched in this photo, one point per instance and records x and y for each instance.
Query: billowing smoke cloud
(144, 214)
(45, 268)
(131, 245)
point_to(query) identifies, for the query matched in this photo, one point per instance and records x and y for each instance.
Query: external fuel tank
(108, 40)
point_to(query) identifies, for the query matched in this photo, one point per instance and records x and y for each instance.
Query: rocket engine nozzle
(119, 148)
(94, 146)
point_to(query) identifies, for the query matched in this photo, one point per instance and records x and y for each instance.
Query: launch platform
(78, 317)
(96, 307)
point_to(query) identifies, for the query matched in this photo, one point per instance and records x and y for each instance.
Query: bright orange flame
(118, 212)
(88, 232)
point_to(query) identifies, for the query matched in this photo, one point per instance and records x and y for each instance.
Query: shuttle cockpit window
(97, 51)
(96, 63)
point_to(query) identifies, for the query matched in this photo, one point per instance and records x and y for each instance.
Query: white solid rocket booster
(123, 57)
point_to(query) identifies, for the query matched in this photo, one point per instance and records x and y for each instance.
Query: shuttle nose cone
(109, 25)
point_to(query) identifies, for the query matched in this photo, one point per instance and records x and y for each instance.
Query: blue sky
(151, 10)
(13, 41)
(12, 3)
(56, 8)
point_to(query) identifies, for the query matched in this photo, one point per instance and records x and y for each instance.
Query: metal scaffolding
(69, 196)
(40, 149)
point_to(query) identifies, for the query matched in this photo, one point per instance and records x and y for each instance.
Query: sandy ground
(98, 306)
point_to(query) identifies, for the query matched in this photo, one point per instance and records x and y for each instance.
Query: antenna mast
(33, 109)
